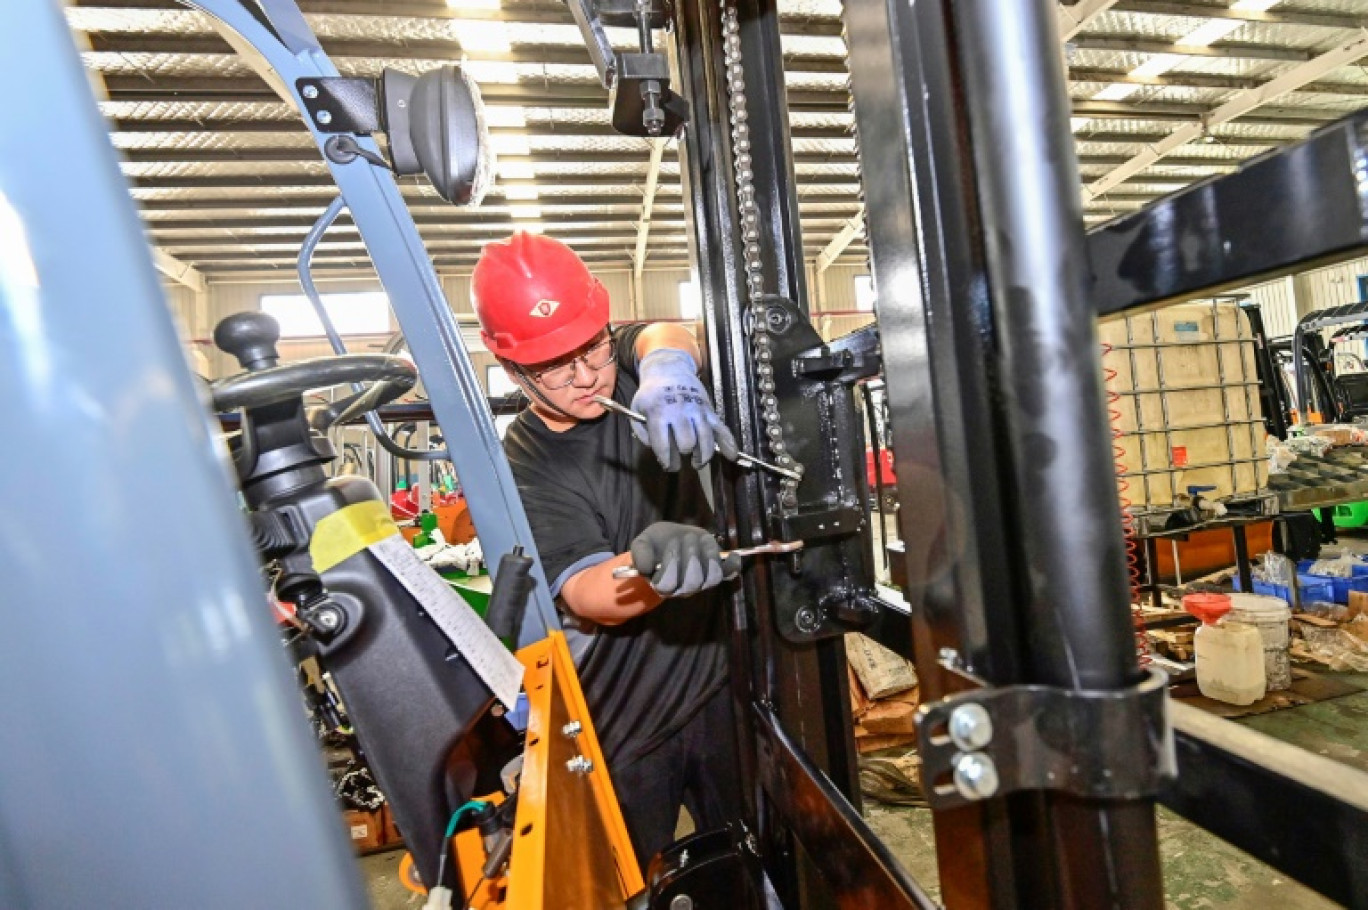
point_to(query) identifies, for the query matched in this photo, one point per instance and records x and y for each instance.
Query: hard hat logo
(545, 308)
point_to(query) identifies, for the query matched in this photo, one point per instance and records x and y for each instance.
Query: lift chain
(749, 215)
(1104, 744)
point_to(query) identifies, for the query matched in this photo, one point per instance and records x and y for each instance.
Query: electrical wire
(304, 266)
(471, 896)
(474, 805)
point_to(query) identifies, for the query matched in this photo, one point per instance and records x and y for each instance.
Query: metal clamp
(1098, 744)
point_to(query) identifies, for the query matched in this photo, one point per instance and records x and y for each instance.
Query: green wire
(474, 805)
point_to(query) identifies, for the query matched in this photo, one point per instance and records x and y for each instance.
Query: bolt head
(806, 620)
(971, 728)
(976, 776)
(324, 117)
(329, 618)
(681, 902)
(949, 656)
(579, 765)
(310, 92)
(574, 728)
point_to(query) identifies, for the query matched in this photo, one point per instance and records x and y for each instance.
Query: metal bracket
(338, 104)
(1111, 744)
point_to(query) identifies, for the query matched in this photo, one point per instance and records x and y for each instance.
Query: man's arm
(597, 596)
(674, 560)
(668, 335)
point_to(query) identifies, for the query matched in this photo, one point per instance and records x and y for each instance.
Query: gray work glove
(680, 419)
(681, 560)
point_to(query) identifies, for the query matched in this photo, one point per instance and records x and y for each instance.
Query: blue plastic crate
(1313, 587)
(1340, 587)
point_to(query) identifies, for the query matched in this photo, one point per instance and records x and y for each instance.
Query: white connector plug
(439, 898)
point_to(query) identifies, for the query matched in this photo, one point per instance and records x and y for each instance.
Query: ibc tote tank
(1188, 397)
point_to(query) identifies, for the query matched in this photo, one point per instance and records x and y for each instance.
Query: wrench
(741, 457)
(774, 546)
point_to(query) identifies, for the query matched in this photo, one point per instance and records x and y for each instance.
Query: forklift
(144, 688)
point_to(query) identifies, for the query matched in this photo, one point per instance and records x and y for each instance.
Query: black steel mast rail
(1293, 208)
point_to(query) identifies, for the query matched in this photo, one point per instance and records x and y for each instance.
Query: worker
(601, 492)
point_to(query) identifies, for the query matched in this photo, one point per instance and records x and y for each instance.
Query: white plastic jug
(1230, 662)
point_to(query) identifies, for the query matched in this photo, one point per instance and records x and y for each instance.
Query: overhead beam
(1221, 11)
(1205, 80)
(1224, 49)
(1073, 19)
(178, 271)
(628, 203)
(849, 231)
(1240, 104)
(536, 14)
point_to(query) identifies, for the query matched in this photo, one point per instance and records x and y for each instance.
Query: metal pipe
(1076, 616)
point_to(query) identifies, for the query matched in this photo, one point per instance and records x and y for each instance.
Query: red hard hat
(536, 299)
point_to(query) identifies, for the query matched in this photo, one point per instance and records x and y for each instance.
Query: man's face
(570, 382)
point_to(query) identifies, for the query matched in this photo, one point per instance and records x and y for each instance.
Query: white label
(360, 832)
(484, 652)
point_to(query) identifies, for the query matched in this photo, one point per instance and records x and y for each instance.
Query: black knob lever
(251, 338)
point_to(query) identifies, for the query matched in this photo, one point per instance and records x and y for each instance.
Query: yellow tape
(348, 531)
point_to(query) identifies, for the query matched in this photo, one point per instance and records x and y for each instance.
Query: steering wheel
(251, 338)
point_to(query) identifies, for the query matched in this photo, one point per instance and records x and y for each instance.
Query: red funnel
(1207, 607)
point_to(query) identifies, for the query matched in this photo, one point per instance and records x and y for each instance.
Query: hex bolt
(572, 729)
(976, 776)
(579, 765)
(971, 728)
(681, 902)
(806, 620)
(949, 657)
(329, 618)
(310, 92)
(324, 117)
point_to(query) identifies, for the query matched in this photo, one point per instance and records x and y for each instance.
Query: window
(363, 313)
(497, 383)
(690, 300)
(864, 293)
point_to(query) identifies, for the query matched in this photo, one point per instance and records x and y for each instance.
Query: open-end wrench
(741, 457)
(774, 546)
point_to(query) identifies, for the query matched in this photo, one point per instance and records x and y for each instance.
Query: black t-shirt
(588, 492)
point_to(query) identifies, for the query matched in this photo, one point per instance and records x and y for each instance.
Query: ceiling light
(1210, 33)
(510, 143)
(487, 37)
(524, 212)
(505, 116)
(514, 191)
(516, 170)
(1156, 65)
(492, 71)
(1120, 91)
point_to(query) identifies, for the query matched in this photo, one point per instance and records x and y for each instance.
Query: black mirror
(436, 126)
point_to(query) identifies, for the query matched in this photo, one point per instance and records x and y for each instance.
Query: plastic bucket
(1270, 616)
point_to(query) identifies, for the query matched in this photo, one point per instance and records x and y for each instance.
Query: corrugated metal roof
(212, 154)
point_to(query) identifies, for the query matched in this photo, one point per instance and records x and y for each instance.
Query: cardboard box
(881, 672)
(367, 829)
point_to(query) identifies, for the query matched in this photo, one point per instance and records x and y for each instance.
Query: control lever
(774, 546)
(508, 601)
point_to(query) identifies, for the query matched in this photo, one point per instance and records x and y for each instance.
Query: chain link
(748, 213)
